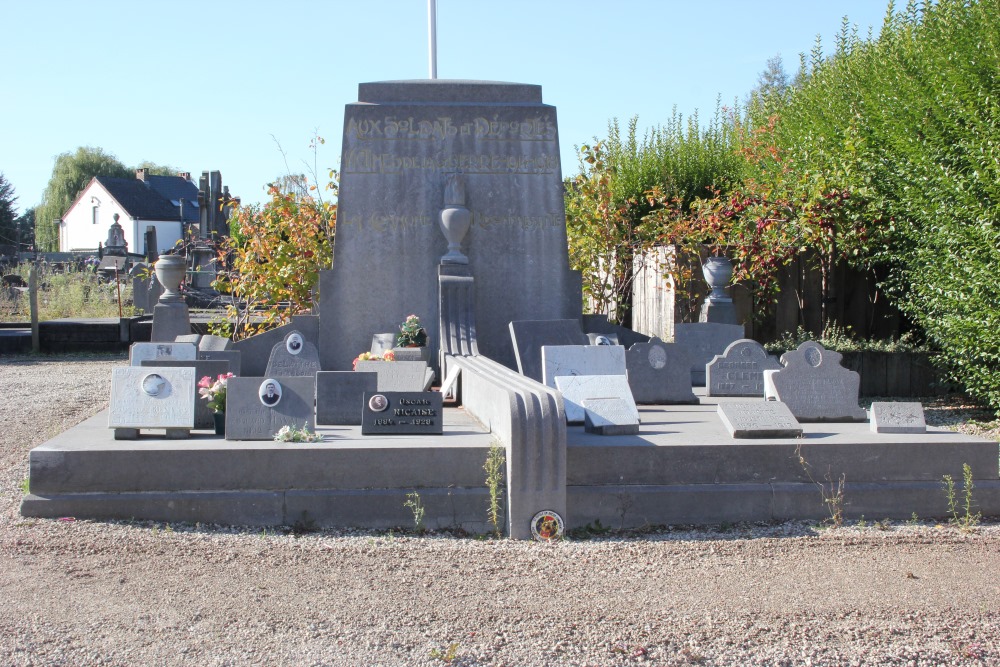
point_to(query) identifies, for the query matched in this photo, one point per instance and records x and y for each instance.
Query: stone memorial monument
(151, 397)
(814, 386)
(659, 373)
(578, 388)
(739, 371)
(293, 356)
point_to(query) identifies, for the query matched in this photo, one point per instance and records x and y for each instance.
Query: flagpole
(432, 37)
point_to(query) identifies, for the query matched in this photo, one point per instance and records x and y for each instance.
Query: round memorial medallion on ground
(547, 526)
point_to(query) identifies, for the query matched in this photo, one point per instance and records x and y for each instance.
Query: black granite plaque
(402, 413)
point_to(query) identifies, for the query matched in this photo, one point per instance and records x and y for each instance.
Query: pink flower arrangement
(214, 391)
(388, 355)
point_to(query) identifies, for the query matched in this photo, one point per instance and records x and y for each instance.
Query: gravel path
(89, 593)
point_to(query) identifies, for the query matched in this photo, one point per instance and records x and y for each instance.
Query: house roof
(138, 200)
(175, 188)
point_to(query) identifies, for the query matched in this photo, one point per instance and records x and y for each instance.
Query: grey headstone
(703, 341)
(401, 142)
(411, 354)
(193, 338)
(739, 371)
(581, 360)
(759, 419)
(151, 397)
(396, 375)
(140, 287)
(232, 356)
(140, 352)
(897, 417)
(170, 320)
(814, 385)
(213, 369)
(659, 373)
(576, 389)
(382, 342)
(340, 395)
(214, 343)
(402, 413)
(257, 349)
(530, 336)
(247, 418)
(610, 416)
(293, 356)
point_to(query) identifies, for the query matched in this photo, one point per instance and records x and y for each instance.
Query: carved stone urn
(170, 271)
(718, 271)
(455, 220)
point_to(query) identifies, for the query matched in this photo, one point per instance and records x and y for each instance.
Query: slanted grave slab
(293, 356)
(252, 415)
(151, 397)
(739, 371)
(814, 386)
(340, 396)
(659, 373)
(577, 388)
(610, 416)
(140, 352)
(758, 419)
(581, 360)
(703, 341)
(897, 417)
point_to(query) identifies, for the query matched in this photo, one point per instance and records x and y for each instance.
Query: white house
(166, 203)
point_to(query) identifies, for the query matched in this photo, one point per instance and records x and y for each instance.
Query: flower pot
(220, 422)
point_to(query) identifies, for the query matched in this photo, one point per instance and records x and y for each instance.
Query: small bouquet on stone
(411, 333)
(294, 434)
(214, 391)
(388, 355)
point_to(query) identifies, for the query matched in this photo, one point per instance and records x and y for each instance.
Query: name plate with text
(402, 413)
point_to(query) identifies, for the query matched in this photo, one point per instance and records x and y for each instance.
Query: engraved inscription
(410, 128)
(366, 161)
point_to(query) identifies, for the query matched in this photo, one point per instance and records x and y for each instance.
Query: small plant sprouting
(447, 655)
(966, 521)
(26, 486)
(914, 520)
(495, 466)
(416, 506)
(862, 523)
(831, 491)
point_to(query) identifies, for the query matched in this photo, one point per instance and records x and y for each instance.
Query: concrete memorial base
(681, 467)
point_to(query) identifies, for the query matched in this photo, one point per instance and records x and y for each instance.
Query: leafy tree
(71, 173)
(8, 214)
(26, 229)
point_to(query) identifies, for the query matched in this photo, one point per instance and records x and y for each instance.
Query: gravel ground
(91, 593)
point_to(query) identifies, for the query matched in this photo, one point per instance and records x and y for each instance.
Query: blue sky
(202, 85)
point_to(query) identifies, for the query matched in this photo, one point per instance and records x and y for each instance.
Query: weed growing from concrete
(416, 506)
(966, 521)
(495, 466)
(831, 491)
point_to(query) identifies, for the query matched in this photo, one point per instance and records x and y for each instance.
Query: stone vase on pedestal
(455, 220)
(170, 270)
(718, 271)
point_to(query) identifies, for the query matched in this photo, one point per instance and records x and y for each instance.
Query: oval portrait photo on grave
(294, 343)
(547, 526)
(153, 384)
(378, 403)
(269, 392)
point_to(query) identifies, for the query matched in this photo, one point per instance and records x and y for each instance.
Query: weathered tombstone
(581, 360)
(403, 413)
(140, 352)
(659, 373)
(294, 356)
(576, 389)
(410, 353)
(402, 141)
(739, 371)
(231, 356)
(255, 414)
(814, 385)
(151, 397)
(202, 414)
(704, 340)
(610, 416)
(340, 395)
(759, 419)
(530, 336)
(139, 273)
(897, 417)
(396, 375)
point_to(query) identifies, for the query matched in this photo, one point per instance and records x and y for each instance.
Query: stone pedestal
(169, 321)
(718, 305)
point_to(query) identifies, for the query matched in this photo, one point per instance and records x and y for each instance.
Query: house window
(95, 214)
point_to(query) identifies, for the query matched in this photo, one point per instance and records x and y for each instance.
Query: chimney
(186, 175)
(142, 174)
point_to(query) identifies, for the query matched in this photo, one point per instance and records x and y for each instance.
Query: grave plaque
(704, 340)
(610, 416)
(659, 373)
(897, 417)
(577, 388)
(249, 418)
(581, 360)
(739, 371)
(402, 413)
(340, 396)
(759, 419)
(151, 397)
(396, 375)
(814, 385)
(530, 336)
(140, 352)
(294, 356)
(202, 414)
